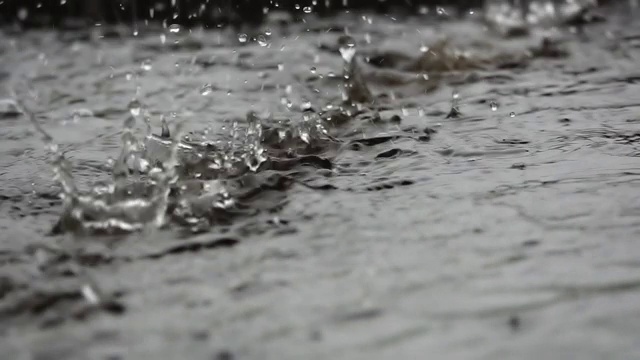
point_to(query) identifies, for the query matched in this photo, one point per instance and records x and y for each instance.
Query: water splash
(355, 89)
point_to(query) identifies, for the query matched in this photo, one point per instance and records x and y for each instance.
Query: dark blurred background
(210, 13)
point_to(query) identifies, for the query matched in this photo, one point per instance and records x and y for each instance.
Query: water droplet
(424, 48)
(280, 67)
(262, 41)
(146, 65)
(23, 13)
(243, 38)
(313, 70)
(206, 89)
(494, 106)
(512, 114)
(307, 9)
(347, 48)
(135, 107)
(267, 32)
(174, 28)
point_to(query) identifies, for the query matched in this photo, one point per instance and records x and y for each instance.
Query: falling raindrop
(307, 9)
(243, 38)
(494, 106)
(23, 13)
(174, 28)
(512, 114)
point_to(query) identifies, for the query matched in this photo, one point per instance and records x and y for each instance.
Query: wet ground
(478, 200)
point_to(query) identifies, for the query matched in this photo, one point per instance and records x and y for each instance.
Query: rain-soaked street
(354, 186)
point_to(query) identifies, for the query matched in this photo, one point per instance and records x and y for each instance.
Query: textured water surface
(479, 199)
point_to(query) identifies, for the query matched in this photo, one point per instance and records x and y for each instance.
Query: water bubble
(494, 106)
(243, 38)
(206, 89)
(174, 28)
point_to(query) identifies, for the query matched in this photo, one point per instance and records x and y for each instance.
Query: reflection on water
(395, 185)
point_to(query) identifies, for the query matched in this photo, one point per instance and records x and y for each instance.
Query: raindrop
(174, 28)
(135, 107)
(243, 38)
(23, 13)
(494, 106)
(512, 114)
(313, 70)
(307, 9)
(262, 41)
(146, 65)
(347, 48)
(267, 32)
(424, 48)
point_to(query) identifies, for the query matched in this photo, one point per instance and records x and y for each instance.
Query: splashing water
(355, 89)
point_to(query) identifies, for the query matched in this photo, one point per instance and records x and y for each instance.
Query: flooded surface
(419, 186)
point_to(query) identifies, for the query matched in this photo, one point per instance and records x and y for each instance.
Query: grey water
(356, 187)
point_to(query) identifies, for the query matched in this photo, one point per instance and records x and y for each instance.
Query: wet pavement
(390, 226)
